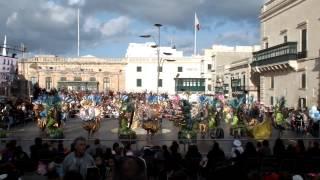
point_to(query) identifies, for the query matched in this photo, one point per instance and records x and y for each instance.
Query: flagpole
(195, 35)
(78, 32)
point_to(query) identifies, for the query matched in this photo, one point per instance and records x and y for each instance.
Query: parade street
(108, 134)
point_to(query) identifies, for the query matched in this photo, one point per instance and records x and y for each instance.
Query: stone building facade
(222, 58)
(83, 73)
(288, 65)
(240, 80)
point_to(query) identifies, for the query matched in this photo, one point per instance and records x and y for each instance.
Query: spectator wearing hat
(237, 149)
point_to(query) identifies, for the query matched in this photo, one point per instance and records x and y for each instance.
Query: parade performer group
(244, 117)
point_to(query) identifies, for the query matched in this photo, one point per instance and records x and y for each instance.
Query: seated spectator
(78, 160)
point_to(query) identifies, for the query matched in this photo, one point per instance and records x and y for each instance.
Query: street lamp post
(158, 54)
(159, 60)
(118, 78)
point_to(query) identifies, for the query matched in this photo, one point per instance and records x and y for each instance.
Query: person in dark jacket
(192, 161)
(35, 150)
(215, 156)
(250, 151)
(279, 149)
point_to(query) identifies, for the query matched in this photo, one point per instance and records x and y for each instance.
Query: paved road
(108, 134)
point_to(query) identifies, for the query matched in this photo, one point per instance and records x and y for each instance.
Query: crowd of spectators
(14, 113)
(83, 161)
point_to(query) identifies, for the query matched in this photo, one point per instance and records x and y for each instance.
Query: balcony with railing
(190, 84)
(276, 54)
(238, 88)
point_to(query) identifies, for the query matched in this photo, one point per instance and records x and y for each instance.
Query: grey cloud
(237, 38)
(47, 26)
(50, 25)
(180, 13)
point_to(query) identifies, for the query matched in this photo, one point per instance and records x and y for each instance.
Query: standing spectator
(279, 148)
(167, 157)
(127, 150)
(21, 160)
(116, 149)
(78, 161)
(9, 152)
(93, 149)
(176, 157)
(300, 148)
(215, 155)
(259, 147)
(250, 151)
(314, 151)
(132, 168)
(35, 151)
(290, 151)
(192, 161)
(265, 150)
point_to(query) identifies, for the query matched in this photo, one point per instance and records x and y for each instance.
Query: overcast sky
(108, 26)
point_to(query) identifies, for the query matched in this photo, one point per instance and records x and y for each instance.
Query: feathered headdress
(236, 103)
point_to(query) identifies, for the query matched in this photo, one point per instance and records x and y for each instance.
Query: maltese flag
(196, 22)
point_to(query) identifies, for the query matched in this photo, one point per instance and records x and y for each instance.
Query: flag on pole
(196, 22)
(196, 28)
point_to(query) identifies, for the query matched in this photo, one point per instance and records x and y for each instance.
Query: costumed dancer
(126, 115)
(48, 111)
(90, 115)
(235, 104)
(314, 114)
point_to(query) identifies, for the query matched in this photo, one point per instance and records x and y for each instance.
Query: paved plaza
(26, 133)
